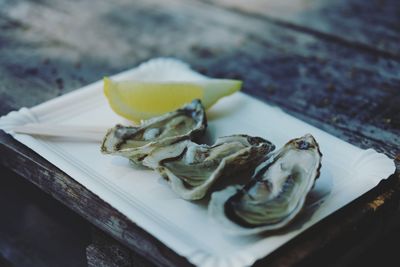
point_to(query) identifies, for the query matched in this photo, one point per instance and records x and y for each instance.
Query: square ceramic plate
(347, 171)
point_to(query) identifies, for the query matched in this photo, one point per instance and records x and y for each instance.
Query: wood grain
(339, 81)
(372, 26)
(348, 93)
(107, 252)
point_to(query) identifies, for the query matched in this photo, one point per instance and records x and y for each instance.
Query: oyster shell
(275, 194)
(192, 169)
(135, 143)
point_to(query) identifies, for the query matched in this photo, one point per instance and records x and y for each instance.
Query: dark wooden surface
(334, 64)
(35, 230)
(106, 252)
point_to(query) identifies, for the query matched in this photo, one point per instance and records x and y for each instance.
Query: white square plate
(347, 171)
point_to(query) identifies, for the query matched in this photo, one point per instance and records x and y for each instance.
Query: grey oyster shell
(191, 169)
(275, 194)
(135, 143)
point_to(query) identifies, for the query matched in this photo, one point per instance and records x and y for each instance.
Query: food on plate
(135, 143)
(271, 198)
(191, 169)
(275, 194)
(140, 100)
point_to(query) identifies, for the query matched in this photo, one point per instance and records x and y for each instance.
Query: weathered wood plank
(369, 25)
(107, 252)
(349, 93)
(96, 257)
(36, 230)
(48, 48)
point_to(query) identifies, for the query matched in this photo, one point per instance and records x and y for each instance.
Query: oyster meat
(275, 194)
(191, 169)
(135, 143)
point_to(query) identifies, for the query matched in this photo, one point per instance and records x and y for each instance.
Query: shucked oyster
(192, 169)
(136, 143)
(275, 194)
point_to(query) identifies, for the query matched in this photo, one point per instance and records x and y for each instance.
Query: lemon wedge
(138, 101)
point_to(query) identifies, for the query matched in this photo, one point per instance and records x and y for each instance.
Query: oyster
(135, 143)
(192, 169)
(275, 194)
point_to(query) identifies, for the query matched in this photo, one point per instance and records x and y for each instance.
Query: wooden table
(333, 64)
